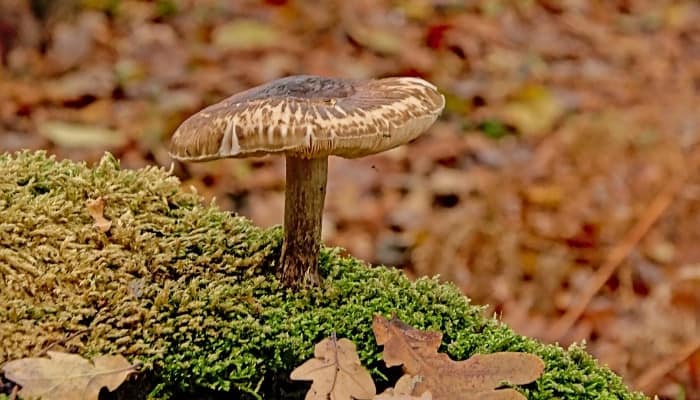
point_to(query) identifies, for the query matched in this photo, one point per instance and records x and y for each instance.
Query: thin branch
(618, 254)
(649, 379)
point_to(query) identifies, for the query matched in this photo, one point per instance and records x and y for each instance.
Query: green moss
(190, 290)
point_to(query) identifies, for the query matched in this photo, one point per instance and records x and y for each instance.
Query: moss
(189, 290)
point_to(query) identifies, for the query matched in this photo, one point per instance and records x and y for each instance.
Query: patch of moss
(189, 290)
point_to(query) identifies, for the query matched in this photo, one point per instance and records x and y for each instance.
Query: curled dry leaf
(64, 376)
(336, 372)
(475, 378)
(403, 389)
(96, 210)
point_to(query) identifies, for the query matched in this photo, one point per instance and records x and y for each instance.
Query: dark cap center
(305, 87)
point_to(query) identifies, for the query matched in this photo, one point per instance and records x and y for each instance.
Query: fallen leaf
(533, 110)
(403, 389)
(419, 10)
(245, 34)
(545, 195)
(65, 376)
(97, 80)
(72, 42)
(96, 210)
(475, 378)
(336, 372)
(74, 135)
(382, 41)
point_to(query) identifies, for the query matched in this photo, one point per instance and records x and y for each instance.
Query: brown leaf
(96, 210)
(475, 378)
(403, 389)
(96, 80)
(336, 372)
(65, 376)
(72, 42)
(545, 195)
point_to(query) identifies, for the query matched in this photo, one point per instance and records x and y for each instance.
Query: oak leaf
(65, 376)
(336, 372)
(403, 389)
(475, 378)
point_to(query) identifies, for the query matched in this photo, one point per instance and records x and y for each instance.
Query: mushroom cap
(311, 116)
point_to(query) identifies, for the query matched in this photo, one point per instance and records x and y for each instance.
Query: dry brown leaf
(97, 80)
(96, 210)
(336, 372)
(403, 389)
(475, 378)
(65, 376)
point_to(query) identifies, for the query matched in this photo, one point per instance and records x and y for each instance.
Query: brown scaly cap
(311, 116)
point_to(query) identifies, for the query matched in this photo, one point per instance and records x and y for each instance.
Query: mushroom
(308, 118)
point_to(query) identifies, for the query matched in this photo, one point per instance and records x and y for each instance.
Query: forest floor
(560, 187)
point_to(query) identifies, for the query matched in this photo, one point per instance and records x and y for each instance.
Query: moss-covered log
(190, 290)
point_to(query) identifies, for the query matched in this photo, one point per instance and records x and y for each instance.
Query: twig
(646, 381)
(616, 256)
(62, 341)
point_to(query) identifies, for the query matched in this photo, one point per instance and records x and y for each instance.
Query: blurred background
(560, 187)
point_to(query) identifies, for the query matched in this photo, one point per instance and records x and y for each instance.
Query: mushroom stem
(303, 211)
